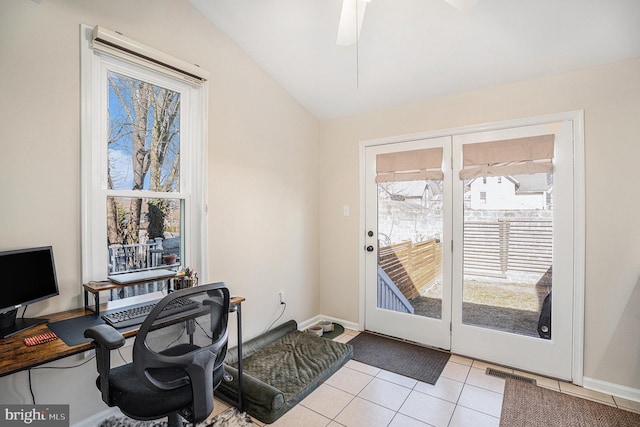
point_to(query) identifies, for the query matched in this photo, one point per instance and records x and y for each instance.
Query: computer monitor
(29, 275)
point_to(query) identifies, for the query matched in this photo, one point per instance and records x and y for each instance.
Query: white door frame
(577, 119)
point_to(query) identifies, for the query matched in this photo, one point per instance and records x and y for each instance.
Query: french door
(408, 220)
(469, 244)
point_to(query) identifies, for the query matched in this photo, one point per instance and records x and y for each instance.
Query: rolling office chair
(177, 358)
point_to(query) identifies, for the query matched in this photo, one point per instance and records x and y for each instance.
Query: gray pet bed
(280, 368)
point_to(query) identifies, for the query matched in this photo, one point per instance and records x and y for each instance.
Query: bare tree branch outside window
(143, 154)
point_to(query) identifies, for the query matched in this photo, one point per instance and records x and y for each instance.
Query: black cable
(180, 335)
(24, 311)
(121, 356)
(33, 398)
(66, 367)
(277, 318)
(204, 331)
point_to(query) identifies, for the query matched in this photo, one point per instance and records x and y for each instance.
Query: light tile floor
(360, 395)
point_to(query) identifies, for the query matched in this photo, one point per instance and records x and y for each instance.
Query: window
(143, 168)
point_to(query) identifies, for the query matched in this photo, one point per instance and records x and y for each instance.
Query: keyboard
(135, 315)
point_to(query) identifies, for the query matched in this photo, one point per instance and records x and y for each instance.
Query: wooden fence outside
(490, 248)
(508, 245)
(412, 266)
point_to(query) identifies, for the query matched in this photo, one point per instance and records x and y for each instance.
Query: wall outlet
(281, 297)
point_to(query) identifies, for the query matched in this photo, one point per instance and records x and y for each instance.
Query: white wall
(610, 97)
(263, 179)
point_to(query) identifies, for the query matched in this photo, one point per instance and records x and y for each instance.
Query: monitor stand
(11, 325)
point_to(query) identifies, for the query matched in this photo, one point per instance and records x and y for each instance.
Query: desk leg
(96, 302)
(240, 386)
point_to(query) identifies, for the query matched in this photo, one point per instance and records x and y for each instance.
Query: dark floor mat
(402, 357)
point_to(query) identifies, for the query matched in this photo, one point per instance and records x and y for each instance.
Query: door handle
(369, 248)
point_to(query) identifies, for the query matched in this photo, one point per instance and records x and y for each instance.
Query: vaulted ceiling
(414, 49)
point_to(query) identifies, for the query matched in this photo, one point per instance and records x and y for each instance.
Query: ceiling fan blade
(352, 17)
(351, 20)
(461, 4)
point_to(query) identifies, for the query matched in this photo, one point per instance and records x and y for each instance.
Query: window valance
(518, 156)
(411, 165)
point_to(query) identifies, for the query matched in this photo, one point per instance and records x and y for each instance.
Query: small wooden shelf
(106, 285)
(101, 286)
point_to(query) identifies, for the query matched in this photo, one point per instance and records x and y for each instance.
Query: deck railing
(389, 296)
(135, 257)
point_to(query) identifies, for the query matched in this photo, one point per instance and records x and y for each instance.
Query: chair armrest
(105, 338)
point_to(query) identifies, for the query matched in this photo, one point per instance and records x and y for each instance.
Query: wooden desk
(15, 356)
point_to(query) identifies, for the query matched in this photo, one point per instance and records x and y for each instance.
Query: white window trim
(93, 158)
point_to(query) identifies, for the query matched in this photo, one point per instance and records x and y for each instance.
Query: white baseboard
(310, 322)
(618, 390)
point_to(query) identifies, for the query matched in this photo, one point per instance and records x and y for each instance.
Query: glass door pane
(410, 227)
(508, 253)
